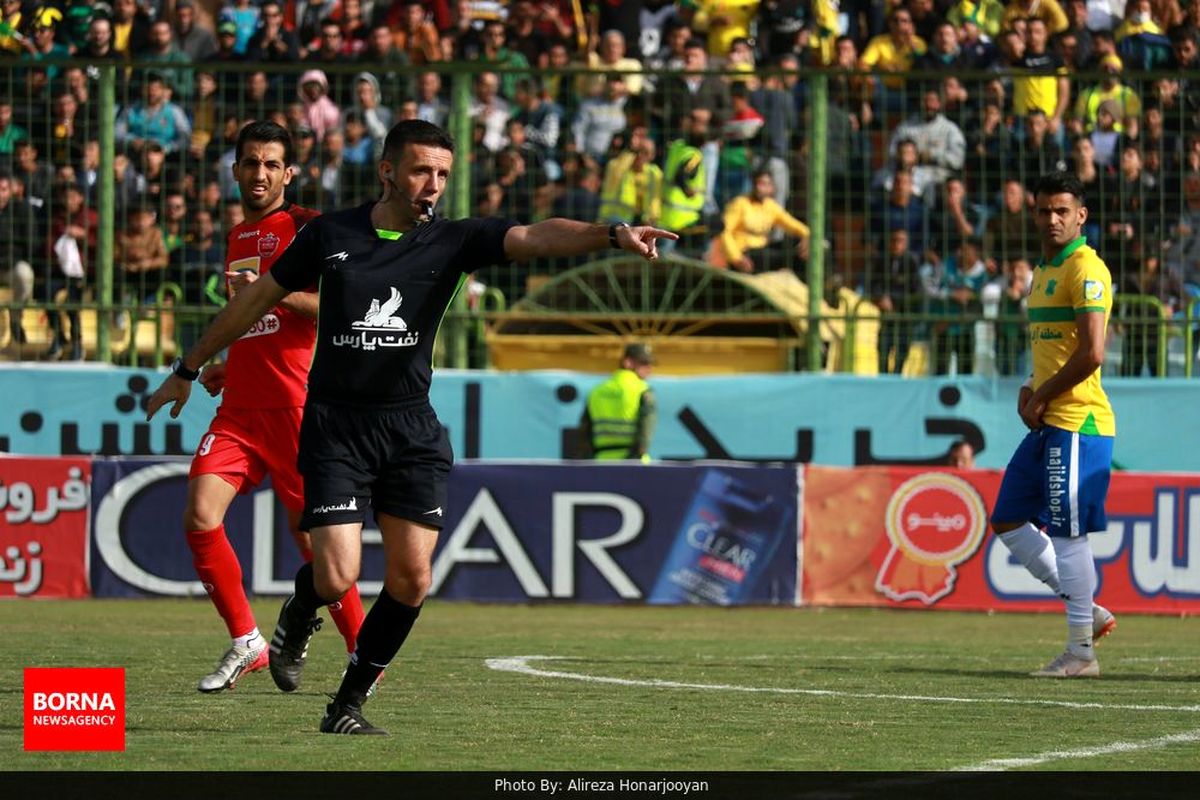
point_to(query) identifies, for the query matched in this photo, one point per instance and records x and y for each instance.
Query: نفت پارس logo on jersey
(381, 326)
(934, 521)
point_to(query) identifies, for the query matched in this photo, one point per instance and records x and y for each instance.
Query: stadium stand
(939, 119)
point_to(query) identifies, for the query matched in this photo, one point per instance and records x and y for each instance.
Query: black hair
(1182, 33)
(414, 131)
(530, 85)
(1060, 183)
(264, 132)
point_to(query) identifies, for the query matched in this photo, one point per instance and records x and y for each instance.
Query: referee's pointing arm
(568, 237)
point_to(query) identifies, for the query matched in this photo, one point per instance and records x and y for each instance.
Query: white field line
(998, 764)
(802, 657)
(521, 665)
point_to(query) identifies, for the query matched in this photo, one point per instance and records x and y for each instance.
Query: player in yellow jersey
(1058, 476)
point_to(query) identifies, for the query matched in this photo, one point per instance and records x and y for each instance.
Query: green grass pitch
(633, 688)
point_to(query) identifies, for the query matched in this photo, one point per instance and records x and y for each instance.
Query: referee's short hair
(1060, 183)
(414, 131)
(264, 131)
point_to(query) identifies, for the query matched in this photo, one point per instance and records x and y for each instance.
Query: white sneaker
(237, 660)
(1103, 622)
(1069, 665)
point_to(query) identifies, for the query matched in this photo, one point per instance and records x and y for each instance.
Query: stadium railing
(1140, 217)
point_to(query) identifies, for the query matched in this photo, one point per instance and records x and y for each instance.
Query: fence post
(105, 212)
(818, 98)
(455, 329)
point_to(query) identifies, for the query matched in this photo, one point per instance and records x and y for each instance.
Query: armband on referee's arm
(1028, 384)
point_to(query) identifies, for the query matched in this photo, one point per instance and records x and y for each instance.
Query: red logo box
(74, 709)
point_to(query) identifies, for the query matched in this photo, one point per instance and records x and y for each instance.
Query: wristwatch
(612, 234)
(181, 371)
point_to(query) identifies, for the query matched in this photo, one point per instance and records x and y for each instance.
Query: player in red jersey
(257, 427)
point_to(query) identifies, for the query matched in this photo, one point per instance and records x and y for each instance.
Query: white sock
(243, 641)
(1079, 641)
(1077, 582)
(1032, 548)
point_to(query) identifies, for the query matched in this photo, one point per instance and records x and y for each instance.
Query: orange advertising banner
(919, 537)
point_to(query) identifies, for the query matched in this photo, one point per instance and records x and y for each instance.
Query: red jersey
(268, 366)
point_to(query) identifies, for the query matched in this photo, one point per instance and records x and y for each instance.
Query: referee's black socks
(385, 628)
(306, 598)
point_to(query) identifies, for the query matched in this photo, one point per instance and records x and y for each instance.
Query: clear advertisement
(713, 534)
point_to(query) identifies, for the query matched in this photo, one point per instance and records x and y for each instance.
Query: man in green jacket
(621, 412)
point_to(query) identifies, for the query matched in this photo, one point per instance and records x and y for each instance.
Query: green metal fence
(922, 223)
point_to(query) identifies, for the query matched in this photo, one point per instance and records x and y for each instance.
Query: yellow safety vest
(613, 409)
(1131, 106)
(680, 211)
(619, 197)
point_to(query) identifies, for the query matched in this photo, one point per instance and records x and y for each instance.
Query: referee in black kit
(387, 271)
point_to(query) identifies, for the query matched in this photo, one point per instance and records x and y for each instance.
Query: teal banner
(838, 420)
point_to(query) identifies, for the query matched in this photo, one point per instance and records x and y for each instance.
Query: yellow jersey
(1035, 86)
(883, 55)
(748, 225)
(1073, 282)
(1048, 11)
(736, 17)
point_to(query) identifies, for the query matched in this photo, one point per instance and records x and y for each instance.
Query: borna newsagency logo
(74, 708)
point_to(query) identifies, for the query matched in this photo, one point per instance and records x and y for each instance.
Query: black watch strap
(612, 234)
(181, 371)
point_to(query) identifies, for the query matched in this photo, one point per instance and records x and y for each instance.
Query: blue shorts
(1057, 479)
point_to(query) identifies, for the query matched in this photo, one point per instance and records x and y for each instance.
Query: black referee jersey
(381, 300)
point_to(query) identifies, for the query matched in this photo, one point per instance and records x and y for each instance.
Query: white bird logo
(381, 315)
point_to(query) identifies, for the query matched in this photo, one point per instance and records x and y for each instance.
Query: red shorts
(243, 445)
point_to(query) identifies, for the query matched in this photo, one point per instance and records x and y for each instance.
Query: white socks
(244, 641)
(1077, 586)
(1033, 549)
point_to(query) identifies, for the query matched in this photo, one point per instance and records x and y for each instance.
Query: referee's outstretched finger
(647, 239)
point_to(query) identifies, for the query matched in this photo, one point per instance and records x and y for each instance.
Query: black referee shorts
(396, 458)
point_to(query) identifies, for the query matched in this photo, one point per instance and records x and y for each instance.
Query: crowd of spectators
(692, 115)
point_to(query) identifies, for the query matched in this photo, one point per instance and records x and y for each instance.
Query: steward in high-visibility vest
(1123, 100)
(632, 189)
(621, 412)
(684, 183)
